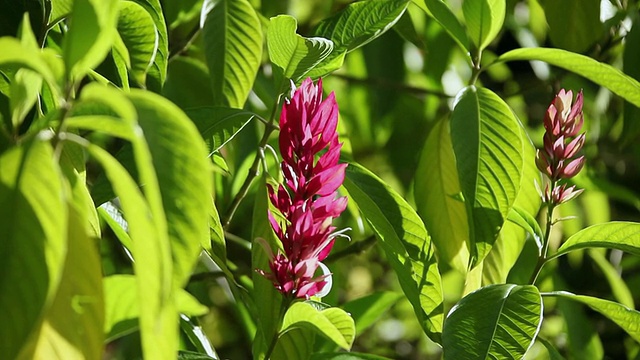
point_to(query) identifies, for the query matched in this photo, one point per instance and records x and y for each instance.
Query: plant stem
(254, 171)
(545, 242)
(284, 305)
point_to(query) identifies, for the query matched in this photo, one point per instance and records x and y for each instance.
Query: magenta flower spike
(308, 198)
(557, 159)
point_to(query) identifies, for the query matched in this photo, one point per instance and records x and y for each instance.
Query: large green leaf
(138, 33)
(72, 328)
(158, 71)
(122, 305)
(574, 25)
(619, 235)
(220, 124)
(489, 152)
(152, 266)
(506, 250)
(292, 55)
(184, 177)
(188, 83)
(484, 19)
(627, 319)
(333, 323)
(233, 46)
(494, 322)
(619, 288)
(406, 242)
(59, 9)
(441, 13)
(355, 26)
(91, 30)
(33, 220)
(600, 73)
(437, 190)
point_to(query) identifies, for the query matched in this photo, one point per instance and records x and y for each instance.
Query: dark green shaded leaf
(233, 46)
(221, 124)
(627, 319)
(33, 220)
(405, 241)
(158, 70)
(574, 25)
(138, 32)
(188, 83)
(494, 322)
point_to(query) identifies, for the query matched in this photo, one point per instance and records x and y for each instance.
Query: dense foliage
(174, 181)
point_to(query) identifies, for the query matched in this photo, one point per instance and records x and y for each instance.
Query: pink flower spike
(572, 168)
(308, 198)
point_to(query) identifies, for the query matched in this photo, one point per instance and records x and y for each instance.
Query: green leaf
(583, 339)
(295, 344)
(184, 178)
(358, 24)
(232, 38)
(91, 30)
(33, 220)
(619, 235)
(405, 241)
(441, 13)
(25, 89)
(13, 52)
(600, 73)
(512, 239)
(494, 322)
(217, 244)
(292, 55)
(627, 319)
(188, 83)
(138, 32)
(489, 150)
(59, 9)
(221, 124)
(552, 352)
(437, 187)
(152, 266)
(574, 25)
(484, 19)
(333, 323)
(73, 325)
(122, 305)
(365, 311)
(619, 288)
(526, 221)
(346, 356)
(158, 71)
